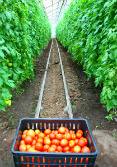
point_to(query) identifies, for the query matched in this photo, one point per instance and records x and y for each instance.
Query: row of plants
(24, 31)
(88, 30)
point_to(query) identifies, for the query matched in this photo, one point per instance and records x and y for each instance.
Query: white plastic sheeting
(54, 10)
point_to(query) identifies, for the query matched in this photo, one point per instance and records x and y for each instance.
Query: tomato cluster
(61, 140)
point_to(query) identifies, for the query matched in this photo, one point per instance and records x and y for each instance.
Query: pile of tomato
(62, 140)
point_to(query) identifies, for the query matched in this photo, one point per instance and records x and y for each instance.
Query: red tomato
(79, 131)
(47, 141)
(46, 147)
(51, 149)
(85, 149)
(61, 130)
(33, 146)
(81, 142)
(55, 141)
(53, 131)
(37, 131)
(67, 136)
(53, 145)
(56, 132)
(47, 131)
(33, 142)
(76, 141)
(31, 133)
(31, 150)
(25, 131)
(28, 146)
(65, 149)
(78, 135)
(40, 140)
(59, 149)
(71, 131)
(41, 135)
(59, 136)
(22, 147)
(22, 142)
(36, 137)
(76, 149)
(73, 136)
(52, 136)
(39, 146)
(71, 143)
(64, 142)
(66, 130)
(28, 139)
(23, 136)
(84, 140)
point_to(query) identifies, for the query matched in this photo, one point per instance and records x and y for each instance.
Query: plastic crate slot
(53, 127)
(49, 127)
(24, 159)
(36, 125)
(67, 160)
(77, 127)
(56, 126)
(38, 160)
(40, 126)
(45, 126)
(30, 159)
(69, 126)
(28, 126)
(78, 160)
(33, 126)
(74, 127)
(63, 160)
(27, 159)
(73, 160)
(65, 125)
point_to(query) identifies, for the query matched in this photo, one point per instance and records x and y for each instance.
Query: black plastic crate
(45, 159)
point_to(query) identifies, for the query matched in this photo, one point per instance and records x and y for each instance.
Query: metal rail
(68, 107)
(42, 87)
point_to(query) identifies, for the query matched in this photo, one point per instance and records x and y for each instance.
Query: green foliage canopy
(88, 30)
(24, 31)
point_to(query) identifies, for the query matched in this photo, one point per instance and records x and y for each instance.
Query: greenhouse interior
(58, 83)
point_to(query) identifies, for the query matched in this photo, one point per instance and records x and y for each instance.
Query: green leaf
(1, 82)
(2, 41)
(8, 14)
(5, 49)
(2, 107)
(1, 54)
(11, 83)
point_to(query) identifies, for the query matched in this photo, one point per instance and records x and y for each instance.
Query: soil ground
(85, 100)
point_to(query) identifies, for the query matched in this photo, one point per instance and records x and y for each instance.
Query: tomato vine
(88, 30)
(24, 31)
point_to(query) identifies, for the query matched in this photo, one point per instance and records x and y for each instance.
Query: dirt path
(85, 100)
(53, 101)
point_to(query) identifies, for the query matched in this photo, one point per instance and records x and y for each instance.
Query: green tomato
(8, 102)
(10, 64)
(8, 61)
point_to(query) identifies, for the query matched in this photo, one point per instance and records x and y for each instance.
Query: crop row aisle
(58, 67)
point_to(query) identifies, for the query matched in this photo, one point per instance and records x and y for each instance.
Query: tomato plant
(27, 30)
(86, 31)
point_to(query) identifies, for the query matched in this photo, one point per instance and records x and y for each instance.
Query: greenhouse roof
(54, 10)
